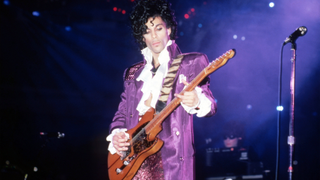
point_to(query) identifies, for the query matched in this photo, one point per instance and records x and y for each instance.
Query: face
(230, 143)
(157, 35)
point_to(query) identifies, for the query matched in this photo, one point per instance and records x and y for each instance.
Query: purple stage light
(6, 2)
(35, 13)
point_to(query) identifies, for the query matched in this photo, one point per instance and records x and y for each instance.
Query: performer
(233, 134)
(154, 28)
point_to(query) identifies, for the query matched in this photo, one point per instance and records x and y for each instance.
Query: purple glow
(6, 2)
(35, 13)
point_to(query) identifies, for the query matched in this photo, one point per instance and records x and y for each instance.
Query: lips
(155, 43)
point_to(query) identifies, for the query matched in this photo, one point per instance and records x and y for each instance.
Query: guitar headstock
(220, 61)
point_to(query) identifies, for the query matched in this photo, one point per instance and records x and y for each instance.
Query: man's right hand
(120, 142)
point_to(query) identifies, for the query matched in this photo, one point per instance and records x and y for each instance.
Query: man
(154, 27)
(233, 134)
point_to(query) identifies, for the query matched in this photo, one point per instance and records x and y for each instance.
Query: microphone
(52, 134)
(301, 31)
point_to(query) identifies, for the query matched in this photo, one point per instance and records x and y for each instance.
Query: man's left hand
(189, 98)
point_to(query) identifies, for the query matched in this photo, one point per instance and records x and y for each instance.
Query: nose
(154, 34)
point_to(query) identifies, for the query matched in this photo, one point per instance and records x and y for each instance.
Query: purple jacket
(177, 134)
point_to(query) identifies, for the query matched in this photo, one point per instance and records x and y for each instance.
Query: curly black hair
(145, 9)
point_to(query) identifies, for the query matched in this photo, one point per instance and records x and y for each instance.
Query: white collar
(146, 52)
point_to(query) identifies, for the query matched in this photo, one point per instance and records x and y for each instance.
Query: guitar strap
(167, 84)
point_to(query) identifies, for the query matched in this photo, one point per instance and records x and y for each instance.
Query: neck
(155, 62)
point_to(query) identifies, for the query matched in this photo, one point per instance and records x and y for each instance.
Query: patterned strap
(168, 81)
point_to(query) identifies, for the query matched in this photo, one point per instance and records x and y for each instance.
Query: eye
(159, 28)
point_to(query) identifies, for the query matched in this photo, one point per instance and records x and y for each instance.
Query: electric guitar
(143, 137)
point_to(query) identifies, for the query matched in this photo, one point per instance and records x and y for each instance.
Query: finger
(124, 144)
(190, 93)
(119, 148)
(121, 143)
(120, 140)
(119, 137)
(185, 82)
(122, 135)
(178, 95)
(119, 153)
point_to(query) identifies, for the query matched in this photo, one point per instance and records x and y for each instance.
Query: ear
(169, 31)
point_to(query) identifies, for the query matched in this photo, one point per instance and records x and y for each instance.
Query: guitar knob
(126, 163)
(118, 170)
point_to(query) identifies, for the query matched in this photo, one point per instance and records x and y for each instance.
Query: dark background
(62, 71)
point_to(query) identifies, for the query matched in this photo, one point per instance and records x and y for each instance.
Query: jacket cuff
(202, 108)
(109, 138)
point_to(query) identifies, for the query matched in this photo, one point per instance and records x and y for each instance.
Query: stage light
(235, 36)
(279, 108)
(249, 106)
(200, 25)
(243, 38)
(67, 28)
(115, 9)
(181, 33)
(6, 2)
(192, 10)
(119, 10)
(35, 13)
(35, 169)
(271, 4)
(186, 16)
(123, 11)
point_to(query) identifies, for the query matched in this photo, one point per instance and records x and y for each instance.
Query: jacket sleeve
(205, 86)
(119, 119)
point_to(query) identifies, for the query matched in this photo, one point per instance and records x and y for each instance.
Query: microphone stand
(291, 139)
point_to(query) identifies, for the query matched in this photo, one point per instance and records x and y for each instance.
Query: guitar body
(137, 152)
